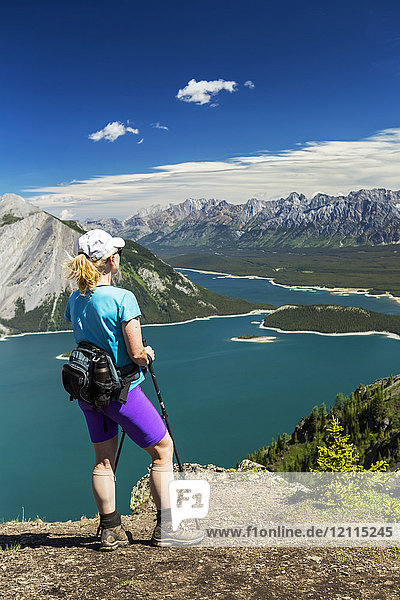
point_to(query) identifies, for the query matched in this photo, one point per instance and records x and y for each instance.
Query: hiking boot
(163, 535)
(113, 538)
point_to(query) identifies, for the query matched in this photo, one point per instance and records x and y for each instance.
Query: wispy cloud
(158, 126)
(140, 141)
(249, 84)
(333, 167)
(201, 92)
(112, 131)
(66, 214)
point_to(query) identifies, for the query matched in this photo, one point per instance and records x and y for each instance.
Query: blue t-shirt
(97, 317)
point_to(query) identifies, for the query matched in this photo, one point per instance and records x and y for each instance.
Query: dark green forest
(327, 318)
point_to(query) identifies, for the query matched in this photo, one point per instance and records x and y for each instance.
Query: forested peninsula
(370, 417)
(331, 318)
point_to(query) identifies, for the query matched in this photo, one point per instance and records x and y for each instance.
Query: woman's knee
(162, 451)
(105, 453)
(105, 464)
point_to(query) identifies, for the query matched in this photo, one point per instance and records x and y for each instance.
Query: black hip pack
(91, 376)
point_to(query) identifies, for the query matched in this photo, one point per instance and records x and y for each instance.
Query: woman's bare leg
(161, 470)
(103, 481)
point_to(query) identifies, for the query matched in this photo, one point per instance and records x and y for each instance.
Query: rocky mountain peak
(192, 204)
(33, 248)
(17, 206)
(112, 225)
(253, 207)
(375, 195)
(295, 198)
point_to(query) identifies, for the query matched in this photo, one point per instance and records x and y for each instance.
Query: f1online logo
(189, 498)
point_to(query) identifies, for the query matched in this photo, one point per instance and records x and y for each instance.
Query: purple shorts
(138, 417)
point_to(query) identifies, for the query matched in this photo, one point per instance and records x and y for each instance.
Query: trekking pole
(119, 450)
(163, 410)
(165, 418)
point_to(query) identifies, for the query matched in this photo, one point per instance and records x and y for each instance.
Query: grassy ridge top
(326, 318)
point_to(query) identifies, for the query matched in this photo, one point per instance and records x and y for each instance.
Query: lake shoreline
(257, 311)
(302, 288)
(388, 334)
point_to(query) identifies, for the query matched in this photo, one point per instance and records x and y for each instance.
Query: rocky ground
(61, 560)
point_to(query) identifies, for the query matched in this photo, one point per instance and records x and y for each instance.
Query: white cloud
(201, 92)
(158, 126)
(66, 214)
(249, 84)
(140, 141)
(112, 131)
(334, 167)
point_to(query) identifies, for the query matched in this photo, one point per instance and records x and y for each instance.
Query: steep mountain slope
(360, 218)
(370, 416)
(34, 248)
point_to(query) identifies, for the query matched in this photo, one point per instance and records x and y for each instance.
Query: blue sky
(322, 114)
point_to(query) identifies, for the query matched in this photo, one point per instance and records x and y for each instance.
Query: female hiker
(108, 317)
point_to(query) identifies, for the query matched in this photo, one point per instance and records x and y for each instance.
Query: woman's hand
(150, 352)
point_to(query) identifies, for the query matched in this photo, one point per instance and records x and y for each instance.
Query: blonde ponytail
(86, 272)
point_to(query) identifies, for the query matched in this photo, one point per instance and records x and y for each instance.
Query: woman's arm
(134, 345)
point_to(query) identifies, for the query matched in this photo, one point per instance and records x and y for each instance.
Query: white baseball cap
(97, 243)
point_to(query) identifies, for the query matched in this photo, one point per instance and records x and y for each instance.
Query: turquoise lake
(224, 399)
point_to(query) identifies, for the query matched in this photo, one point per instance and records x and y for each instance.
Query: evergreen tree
(272, 454)
(397, 450)
(313, 421)
(340, 455)
(377, 405)
(339, 400)
(322, 414)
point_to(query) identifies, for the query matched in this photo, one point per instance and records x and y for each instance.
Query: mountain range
(364, 217)
(34, 249)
